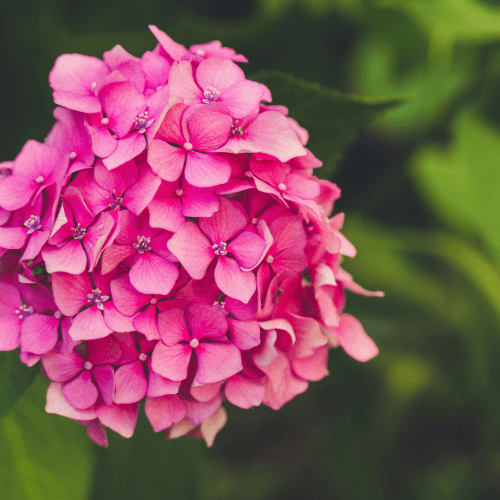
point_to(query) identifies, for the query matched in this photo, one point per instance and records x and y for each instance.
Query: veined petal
(171, 361)
(217, 361)
(233, 281)
(153, 274)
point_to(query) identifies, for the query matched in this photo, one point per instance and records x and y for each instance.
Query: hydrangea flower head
(169, 243)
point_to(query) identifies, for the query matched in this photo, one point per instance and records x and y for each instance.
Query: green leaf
(149, 466)
(331, 117)
(462, 182)
(15, 378)
(43, 457)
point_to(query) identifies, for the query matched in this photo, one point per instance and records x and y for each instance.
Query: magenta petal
(216, 362)
(81, 393)
(146, 323)
(113, 255)
(139, 196)
(192, 249)
(244, 392)
(131, 383)
(166, 213)
(206, 321)
(233, 281)
(70, 303)
(171, 362)
(181, 83)
(197, 412)
(39, 333)
(104, 377)
(61, 365)
(103, 143)
(199, 204)
(218, 73)
(247, 249)
(69, 258)
(120, 418)
(173, 327)
(118, 180)
(206, 170)
(89, 324)
(226, 223)
(125, 297)
(115, 320)
(16, 191)
(352, 337)
(127, 149)
(242, 98)
(166, 161)
(244, 334)
(164, 411)
(153, 274)
(209, 130)
(56, 403)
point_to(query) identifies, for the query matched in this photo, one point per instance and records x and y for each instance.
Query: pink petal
(57, 403)
(127, 149)
(313, 367)
(173, 327)
(146, 323)
(247, 249)
(164, 411)
(303, 187)
(205, 170)
(39, 333)
(175, 50)
(171, 362)
(78, 285)
(209, 131)
(226, 223)
(233, 281)
(244, 334)
(104, 377)
(170, 127)
(216, 362)
(121, 418)
(115, 254)
(206, 321)
(166, 161)
(16, 191)
(153, 274)
(60, 365)
(155, 68)
(139, 196)
(116, 320)
(89, 324)
(218, 73)
(244, 392)
(103, 143)
(104, 351)
(352, 337)
(198, 203)
(166, 213)
(125, 297)
(12, 237)
(160, 386)
(181, 83)
(192, 249)
(131, 383)
(211, 426)
(197, 411)
(205, 392)
(118, 180)
(81, 393)
(242, 98)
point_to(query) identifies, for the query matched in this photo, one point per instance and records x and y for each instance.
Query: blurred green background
(421, 191)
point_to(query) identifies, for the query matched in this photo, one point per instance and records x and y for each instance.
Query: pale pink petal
(352, 337)
(244, 334)
(303, 187)
(89, 324)
(57, 403)
(205, 392)
(166, 161)
(104, 377)
(211, 426)
(164, 411)
(153, 274)
(197, 411)
(171, 362)
(81, 393)
(313, 367)
(206, 321)
(173, 327)
(244, 392)
(130, 383)
(216, 362)
(180, 429)
(233, 281)
(119, 418)
(205, 170)
(192, 248)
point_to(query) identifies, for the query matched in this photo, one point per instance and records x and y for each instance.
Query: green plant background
(421, 190)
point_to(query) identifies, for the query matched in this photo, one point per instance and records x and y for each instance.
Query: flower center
(96, 298)
(117, 201)
(142, 244)
(58, 315)
(220, 249)
(143, 357)
(222, 305)
(179, 192)
(188, 146)
(282, 186)
(194, 343)
(153, 301)
(211, 95)
(201, 53)
(72, 155)
(39, 179)
(24, 311)
(237, 128)
(105, 121)
(33, 223)
(78, 232)
(269, 259)
(142, 122)
(88, 365)
(254, 220)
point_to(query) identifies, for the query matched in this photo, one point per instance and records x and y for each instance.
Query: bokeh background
(421, 193)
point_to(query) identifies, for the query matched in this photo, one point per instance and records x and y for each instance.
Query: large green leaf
(331, 117)
(15, 378)
(462, 182)
(148, 466)
(43, 457)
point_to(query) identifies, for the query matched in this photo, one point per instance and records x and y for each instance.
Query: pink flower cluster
(168, 242)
